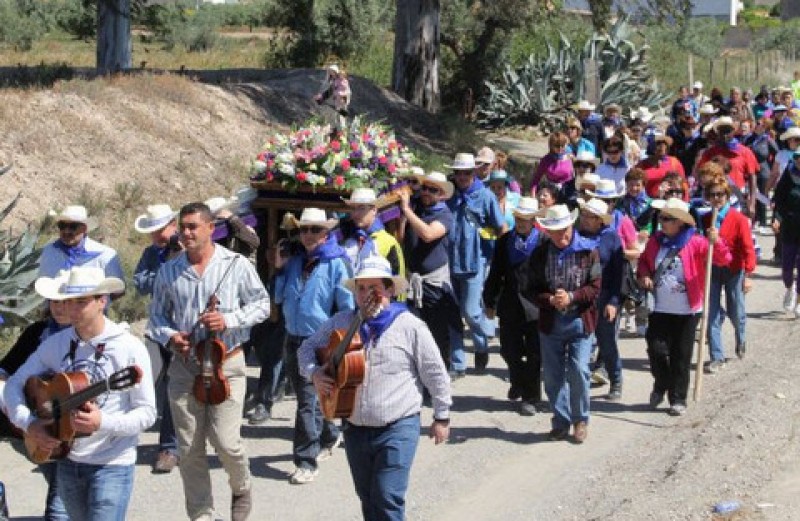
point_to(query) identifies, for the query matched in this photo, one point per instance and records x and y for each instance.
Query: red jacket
(743, 162)
(693, 258)
(736, 233)
(656, 171)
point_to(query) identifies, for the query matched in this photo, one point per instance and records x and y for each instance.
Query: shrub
(18, 28)
(78, 18)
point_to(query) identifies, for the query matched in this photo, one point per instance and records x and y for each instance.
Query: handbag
(650, 299)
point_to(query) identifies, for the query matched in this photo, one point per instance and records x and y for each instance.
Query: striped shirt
(402, 360)
(180, 295)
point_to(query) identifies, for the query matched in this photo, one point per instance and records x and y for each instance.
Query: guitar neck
(338, 353)
(79, 398)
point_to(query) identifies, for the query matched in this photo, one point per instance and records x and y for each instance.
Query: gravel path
(738, 443)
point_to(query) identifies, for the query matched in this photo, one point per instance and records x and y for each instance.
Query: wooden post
(701, 342)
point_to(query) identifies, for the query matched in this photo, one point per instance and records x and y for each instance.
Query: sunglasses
(430, 189)
(717, 195)
(583, 165)
(614, 151)
(667, 218)
(71, 227)
(311, 229)
(674, 192)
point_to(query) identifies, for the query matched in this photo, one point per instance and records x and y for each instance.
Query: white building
(723, 9)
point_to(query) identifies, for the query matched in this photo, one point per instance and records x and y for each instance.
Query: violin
(211, 386)
(344, 361)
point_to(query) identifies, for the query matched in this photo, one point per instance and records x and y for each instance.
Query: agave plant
(19, 264)
(542, 88)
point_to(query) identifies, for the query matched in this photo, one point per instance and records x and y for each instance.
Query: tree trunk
(415, 71)
(113, 36)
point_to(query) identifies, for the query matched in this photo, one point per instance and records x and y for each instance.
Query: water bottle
(3, 503)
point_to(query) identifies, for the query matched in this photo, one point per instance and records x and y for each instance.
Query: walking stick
(701, 342)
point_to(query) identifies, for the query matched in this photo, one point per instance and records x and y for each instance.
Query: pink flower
(354, 145)
(338, 180)
(392, 145)
(382, 160)
(270, 177)
(392, 168)
(336, 146)
(270, 164)
(345, 164)
(301, 176)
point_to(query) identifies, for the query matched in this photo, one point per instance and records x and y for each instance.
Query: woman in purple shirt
(555, 167)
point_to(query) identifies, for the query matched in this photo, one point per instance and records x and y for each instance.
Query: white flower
(259, 167)
(286, 169)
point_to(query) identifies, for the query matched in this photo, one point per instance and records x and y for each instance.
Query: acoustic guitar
(343, 360)
(55, 396)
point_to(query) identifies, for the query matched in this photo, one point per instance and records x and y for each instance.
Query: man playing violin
(95, 480)
(181, 318)
(382, 433)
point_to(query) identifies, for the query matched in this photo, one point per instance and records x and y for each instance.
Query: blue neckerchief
(328, 250)
(76, 255)
(520, 248)
(162, 253)
(611, 121)
(616, 219)
(732, 144)
(376, 226)
(679, 241)
(462, 195)
(375, 326)
(559, 156)
(636, 205)
(721, 214)
(579, 243)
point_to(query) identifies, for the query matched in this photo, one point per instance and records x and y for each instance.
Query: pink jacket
(693, 257)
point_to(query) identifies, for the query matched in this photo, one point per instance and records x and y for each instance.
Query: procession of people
(610, 233)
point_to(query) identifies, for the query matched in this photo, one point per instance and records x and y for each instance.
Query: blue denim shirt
(145, 274)
(471, 211)
(306, 305)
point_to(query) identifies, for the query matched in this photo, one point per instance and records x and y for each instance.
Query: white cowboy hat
(587, 179)
(790, 133)
(708, 109)
(215, 204)
(584, 105)
(597, 207)
(417, 171)
(80, 281)
(528, 208)
(156, 217)
(643, 113)
(333, 68)
(376, 267)
(361, 196)
(611, 106)
(698, 85)
(675, 208)
(75, 214)
(462, 161)
(780, 108)
(584, 156)
(440, 180)
(557, 217)
(605, 189)
(485, 156)
(724, 121)
(309, 217)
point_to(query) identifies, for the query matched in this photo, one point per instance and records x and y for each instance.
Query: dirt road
(738, 443)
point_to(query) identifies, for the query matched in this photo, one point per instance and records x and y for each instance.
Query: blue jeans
(468, 289)
(54, 509)
(95, 492)
(380, 461)
(167, 439)
(607, 332)
(311, 430)
(565, 360)
(734, 304)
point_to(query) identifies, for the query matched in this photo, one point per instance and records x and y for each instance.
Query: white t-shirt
(670, 293)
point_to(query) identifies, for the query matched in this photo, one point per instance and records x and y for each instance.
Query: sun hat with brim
(376, 267)
(75, 214)
(361, 196)
(333, 68)
(499, 175)
(584, 105)
(596, 207)
(780, 108)
(485, 156)
(527, 208)
(697, 85)
(462, 161)
(584, 156)
(309, 217)
(642, 114)
(675, 208)
(216, 204)
(440, 180)
(792, 132)
(156, 217)
(587, 180)
(708, 109)
(557, 217)
(662, 138)
(80, 281)
(605, 189)
(724, 121)
(611, 106)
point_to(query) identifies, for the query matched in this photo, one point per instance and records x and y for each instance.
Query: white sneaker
(302, 475)
(327, 452)
(790, 300)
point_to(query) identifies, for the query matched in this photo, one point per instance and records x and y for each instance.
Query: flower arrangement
(366, 155)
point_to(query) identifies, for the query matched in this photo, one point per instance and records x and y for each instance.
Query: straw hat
(724, 121)
(80, 281)
(309, 217)
(605, 189)
(611, 107)
(462, 161)
(587, 179)
(156, 217)
(584, 156)
(643, 114)
(584, 105)
(790, 133)
(596, 207)
(780, 108)
(698, 85)
(708, 110)
(440, 180)
(376, 267)
(557, 217)
(675, 208)
(75, 214)
(528, 208)
(361, 196)
(485, 156)
(216, 204)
